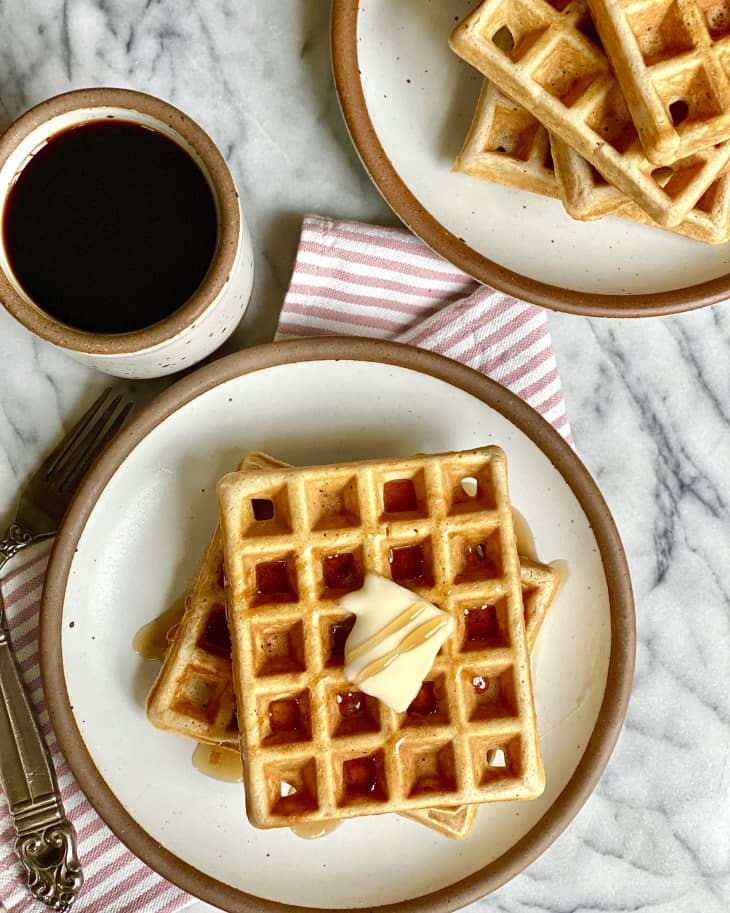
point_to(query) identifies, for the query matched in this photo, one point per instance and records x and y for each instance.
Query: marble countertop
(649, 404)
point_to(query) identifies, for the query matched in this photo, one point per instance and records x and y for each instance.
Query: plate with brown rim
(407, 101)
(131, 541)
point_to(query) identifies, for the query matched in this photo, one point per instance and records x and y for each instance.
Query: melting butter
(218, 763)
(394, 641)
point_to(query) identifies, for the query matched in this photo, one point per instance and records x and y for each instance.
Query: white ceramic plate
(139, 527)
(408, 102)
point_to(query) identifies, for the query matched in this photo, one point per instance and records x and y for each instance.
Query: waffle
(671, 59)
(505, 139)
(193, 694)
(587, 196)
(295, 541)
(539, 586)
(556, 69)
(508, 146)
(199, 642)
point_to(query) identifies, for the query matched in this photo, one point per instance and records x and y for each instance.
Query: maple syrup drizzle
(425, 703)
(151, 641)
(339, 632)
(360, 776)
(399, 496)
(481, 623)
(397, 624)
(272, 579)
(351, 704)
(526, 547)
(285, 715)
(523, 536)
(412, 641)
(218, 763)
(340, 572)
(311, 830)
(563, 569)
(407, 562)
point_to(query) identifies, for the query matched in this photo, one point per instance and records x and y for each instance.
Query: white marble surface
(649, 404)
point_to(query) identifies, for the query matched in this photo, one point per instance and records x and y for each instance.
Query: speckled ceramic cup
(203, 322)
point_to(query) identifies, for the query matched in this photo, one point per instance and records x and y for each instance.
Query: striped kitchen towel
(361, 280)
(116, 881)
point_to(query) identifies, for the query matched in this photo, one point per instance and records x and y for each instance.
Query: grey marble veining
(649, 404)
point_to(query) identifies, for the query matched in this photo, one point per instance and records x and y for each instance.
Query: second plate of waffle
(553, 199)
(296, 537)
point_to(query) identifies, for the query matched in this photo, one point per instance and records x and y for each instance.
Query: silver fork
(45, 498)
(46, 842)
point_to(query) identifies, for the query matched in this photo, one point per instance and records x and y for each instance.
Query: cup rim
(229, 224)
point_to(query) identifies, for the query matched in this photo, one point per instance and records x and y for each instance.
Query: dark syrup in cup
(110, 227)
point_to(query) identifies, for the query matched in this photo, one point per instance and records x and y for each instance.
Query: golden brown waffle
(587, 196)
(500, 123)
(585, 193)
(193, 694)
(546, 56)
(295, 542)
(539, 586)
(169, 707)
(507, 145)
(671, 59)
(200, 642)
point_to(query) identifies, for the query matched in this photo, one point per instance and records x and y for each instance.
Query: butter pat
(394, 641)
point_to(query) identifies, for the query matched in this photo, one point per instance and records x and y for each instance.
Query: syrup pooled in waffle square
(506, 144)
(295, 542)
(671, 58)
(546, 56)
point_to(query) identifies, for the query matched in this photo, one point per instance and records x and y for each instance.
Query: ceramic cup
(210, 315)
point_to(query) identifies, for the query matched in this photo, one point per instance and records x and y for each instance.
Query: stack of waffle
(615, 107)
(257, 660)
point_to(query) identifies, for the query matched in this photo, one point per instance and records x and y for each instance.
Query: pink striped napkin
(349, 278)
(116, 881)
(361, 280)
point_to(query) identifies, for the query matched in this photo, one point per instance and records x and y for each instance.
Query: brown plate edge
(623, 632)
(419, 220)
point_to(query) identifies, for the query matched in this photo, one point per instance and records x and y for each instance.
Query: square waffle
(199, 642)
(295, 541)
(587, 196)
(539, 586)
(546, 56)
(506, 144)
(671, 58)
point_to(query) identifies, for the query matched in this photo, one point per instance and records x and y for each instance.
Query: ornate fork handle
(48, 855)
(46, 843)
(15, 538)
